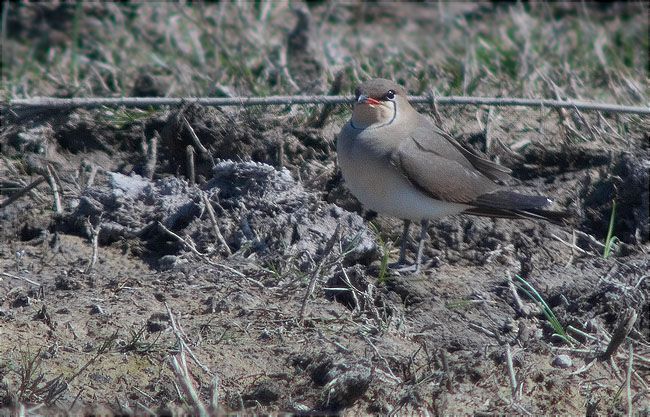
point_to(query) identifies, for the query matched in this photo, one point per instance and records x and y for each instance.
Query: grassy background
(586, 51)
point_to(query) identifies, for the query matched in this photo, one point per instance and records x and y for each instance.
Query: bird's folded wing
(432, 139)
(488, 168)
(440, 173)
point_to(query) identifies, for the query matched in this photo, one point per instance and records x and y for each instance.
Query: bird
(397, 162)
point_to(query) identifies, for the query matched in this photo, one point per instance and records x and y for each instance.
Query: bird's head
(378, 102)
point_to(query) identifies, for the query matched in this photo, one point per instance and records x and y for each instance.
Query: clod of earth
(261, 210)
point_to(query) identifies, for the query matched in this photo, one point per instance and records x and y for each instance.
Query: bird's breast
(380, 186)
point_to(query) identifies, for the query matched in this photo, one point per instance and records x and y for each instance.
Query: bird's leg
(400, 266)
(423, 237)
(402, 246)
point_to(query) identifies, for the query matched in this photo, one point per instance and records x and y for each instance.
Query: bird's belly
(380, 187)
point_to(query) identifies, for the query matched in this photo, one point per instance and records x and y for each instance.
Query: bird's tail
(508, 204)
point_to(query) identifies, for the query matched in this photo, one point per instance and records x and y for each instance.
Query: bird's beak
(367, 100)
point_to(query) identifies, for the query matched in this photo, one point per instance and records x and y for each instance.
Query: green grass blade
(610, 240)
(532, 293)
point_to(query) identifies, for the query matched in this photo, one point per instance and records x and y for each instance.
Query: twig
(213, 220)
(621, 332)
(192, 248)
(152, 399)
(152, 155)
(584, 368)
(189, 153)
(639, 379)
(197, 142)
(561, 112)
(103, 348)
(482, 329)
(144, 408)
(511, 372)
(573, 243)
(617, 371)
(181, 340)
(446, 370)
(182, 374)
(15, 196)
(613, 131)
(315, 274)
(572, 246)
(581, 333)
(520, 305)
(214, 394)
(433, 99)
(327, 109)
(124, 408)
(353, 289)
(75, 399)
(589, 237)
(55, 190)
(285, 68)
(6, 274)
(628, 381)
(374, 348)
(487, 131)
(586, 124)
(144, 102)
(94, 238)
(640, 281)
(641, 358)
(369, 302)
(333, 342)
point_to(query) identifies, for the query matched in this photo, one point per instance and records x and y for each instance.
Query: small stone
(301, 408)
(167, 262)
(562, 361)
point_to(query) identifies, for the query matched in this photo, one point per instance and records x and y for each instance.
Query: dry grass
(537, 50)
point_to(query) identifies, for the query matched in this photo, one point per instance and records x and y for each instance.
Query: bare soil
(284, 299)
(369, 341)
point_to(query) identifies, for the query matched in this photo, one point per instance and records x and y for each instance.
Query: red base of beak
(371, 101)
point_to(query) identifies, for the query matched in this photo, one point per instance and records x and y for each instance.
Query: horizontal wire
(144, 102)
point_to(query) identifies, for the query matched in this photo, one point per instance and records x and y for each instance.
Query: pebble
(562, 361)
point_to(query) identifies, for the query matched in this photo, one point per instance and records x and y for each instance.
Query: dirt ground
(260, 286)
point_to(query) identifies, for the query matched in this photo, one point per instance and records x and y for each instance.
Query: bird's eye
(390, 95)
(357, 92)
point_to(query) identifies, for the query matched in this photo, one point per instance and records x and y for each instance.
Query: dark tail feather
(556, 217)
(508, 204)
(511, 201)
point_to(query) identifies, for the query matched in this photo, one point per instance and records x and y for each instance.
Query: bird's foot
(400, 268)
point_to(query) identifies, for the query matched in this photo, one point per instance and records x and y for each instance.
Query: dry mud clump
(263, 214)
